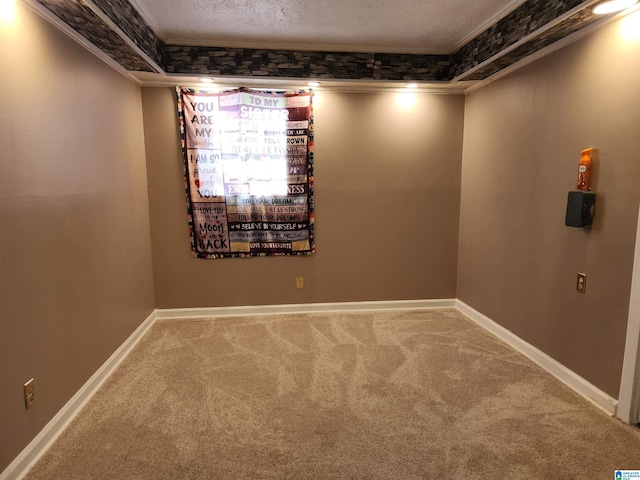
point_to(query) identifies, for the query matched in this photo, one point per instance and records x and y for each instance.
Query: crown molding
(457, 85)
(484, 26)
(118, 31)
(151, 23)
(569, 39)
(530, 37)
(222, 83)
(44, 13)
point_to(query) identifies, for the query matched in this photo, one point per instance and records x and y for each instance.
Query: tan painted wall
(75, 276)
(387, 185)
(517, 260)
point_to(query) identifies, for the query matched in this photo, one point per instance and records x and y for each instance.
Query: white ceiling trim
(481, 28)
(67, 30)
(350, 86)
(453, 87)
(530, 37)
(152, 25)
(125, 38)
(329, 48)
(184, 39)
(577, 35)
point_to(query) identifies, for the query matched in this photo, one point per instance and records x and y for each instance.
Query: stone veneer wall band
(577, 21)
(488, 48)
(127, 18)
(305, 64)
(84, 21)
(522, 22)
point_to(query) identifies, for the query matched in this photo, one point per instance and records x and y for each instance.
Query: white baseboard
(32, 453)
(39, 445)
(175, 313)
(562, 373)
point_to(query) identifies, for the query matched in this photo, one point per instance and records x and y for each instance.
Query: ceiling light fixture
(7, 10)
(613, 6)
(411, 85)
(314, 84)
(207, 80)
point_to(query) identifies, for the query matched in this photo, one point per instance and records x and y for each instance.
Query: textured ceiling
(436, 43)
(401, 26)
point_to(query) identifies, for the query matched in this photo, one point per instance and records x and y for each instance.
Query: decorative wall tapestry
(248, 165)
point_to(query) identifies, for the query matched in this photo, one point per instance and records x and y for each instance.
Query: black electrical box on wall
(580, 206)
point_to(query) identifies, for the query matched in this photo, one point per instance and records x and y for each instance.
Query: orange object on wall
(584, 170)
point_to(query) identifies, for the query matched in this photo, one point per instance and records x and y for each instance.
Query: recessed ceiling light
(206, 80)
(314, 84)
(411, 85)
(612, 6)
(7, 10)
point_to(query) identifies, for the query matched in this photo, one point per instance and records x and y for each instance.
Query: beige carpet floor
(385, 395)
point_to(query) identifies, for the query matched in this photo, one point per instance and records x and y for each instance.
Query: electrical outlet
(29, 393)
(581, 283)
(299, 282)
